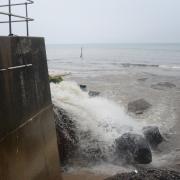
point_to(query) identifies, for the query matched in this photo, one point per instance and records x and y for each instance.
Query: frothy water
(104, 119)
(99, 121)
(116, 69)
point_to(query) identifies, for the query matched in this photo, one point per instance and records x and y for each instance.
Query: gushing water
(99, 121)
(103, 120)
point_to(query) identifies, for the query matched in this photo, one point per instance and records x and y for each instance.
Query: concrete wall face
(28, 146)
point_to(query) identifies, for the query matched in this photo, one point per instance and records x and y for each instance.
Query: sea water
(105, 117)
(99, 58)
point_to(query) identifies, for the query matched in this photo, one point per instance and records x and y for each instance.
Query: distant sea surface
(112, 57)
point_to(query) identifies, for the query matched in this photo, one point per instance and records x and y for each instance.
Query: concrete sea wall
(28, 144)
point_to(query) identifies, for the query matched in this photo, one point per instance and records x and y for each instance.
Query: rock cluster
(90, 93)
(147, 174)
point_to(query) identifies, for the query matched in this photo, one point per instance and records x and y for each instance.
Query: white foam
(176, 67)
(105, 120)
(103, 169)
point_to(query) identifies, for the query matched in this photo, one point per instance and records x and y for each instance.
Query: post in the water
(81, 55)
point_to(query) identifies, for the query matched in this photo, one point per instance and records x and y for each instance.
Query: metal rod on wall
(27, 22)
(10, 25)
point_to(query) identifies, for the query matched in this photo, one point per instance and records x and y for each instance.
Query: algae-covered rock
(55, 79)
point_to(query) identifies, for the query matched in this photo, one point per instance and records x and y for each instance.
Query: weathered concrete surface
(23, 91)
(28, 143)
(30, 152)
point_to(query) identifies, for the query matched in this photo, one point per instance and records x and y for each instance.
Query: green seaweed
(55, 79)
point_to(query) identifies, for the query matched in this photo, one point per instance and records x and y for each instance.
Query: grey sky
(104, 21)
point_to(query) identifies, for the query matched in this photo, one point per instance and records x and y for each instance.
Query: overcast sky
(104, 21)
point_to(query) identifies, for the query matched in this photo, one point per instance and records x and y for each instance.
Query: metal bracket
(16, 67)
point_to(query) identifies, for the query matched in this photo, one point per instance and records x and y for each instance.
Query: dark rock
(163, 85)
(66, 135)
(152, 135)
(133, 148)
(93, 93)
(83, 87)
(148, 174)
(138, 106)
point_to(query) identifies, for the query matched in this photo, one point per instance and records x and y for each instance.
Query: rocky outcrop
(152, 135)
(148, 174)
(133, 148)
(66, 134)
(138, 106)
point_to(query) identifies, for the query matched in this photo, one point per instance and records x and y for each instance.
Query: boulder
(133, 148)
(93, 93)
(138, 106)
(147, 174)
(152, 135)
(67, 139)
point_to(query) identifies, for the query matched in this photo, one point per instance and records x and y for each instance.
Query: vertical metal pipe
(27, 22)
(10, 23)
